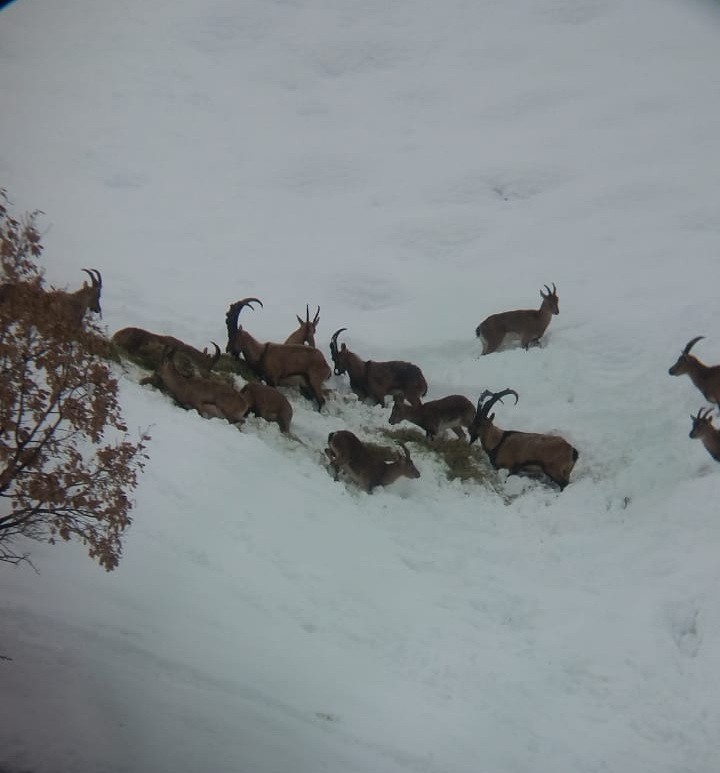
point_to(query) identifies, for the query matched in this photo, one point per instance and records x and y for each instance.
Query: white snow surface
(411, 167)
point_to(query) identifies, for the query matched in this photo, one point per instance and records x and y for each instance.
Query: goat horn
(317, 316)
(495, 396)
(333, 340)
(692, 343)
(92, 276)
(548, 289)
(554, 289)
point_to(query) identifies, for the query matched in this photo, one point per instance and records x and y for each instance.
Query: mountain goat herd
(185, 373)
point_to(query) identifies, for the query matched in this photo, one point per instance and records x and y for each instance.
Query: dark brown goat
(453, 412)
(703, 429)
(376, 380)
(363, 464)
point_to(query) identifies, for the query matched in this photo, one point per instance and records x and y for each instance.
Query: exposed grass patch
(462, 461)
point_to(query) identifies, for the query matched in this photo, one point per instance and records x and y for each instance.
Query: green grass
(462, 461)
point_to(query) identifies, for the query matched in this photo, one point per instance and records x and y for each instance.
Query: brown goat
(76, 304)
(703, 429)
(705, 377)
(211, 398)
(375, 380)
(364, 465)
(268, 403)
(276, 362)
(453, 412)
(529, 324)
(305, 333)
(137, 341)
(71, 306)
(521, 452)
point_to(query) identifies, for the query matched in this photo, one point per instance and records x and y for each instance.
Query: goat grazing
(518, 452)
(151, 346)
(378, 379)
(705, 377)
(268, 403)
(453, 412)
(276, 362)
(305, 333)
(211, 398)
(703, 429)
(529, 324)
(364, 465)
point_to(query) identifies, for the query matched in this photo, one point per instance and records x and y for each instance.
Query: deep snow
(411, 167)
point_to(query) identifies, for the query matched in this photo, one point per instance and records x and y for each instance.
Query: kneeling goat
(363, 464)
(517, 452)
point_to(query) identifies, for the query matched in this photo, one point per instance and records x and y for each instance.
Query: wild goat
(87, 298)
(703, 428)
(276, 362)
(72, 306)
(521, 451)
(266, 402)
(705, 377)
(365, 465)
(135, 340)
(305, 334)
(378, 379)
(529, 324)
(453, 412)
(211, 398)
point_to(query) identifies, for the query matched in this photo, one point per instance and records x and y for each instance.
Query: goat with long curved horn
(521, 452)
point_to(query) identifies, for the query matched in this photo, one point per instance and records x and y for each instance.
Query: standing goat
(211, 398)
(365, 465)
(453, 412)
(276, 362)
(703, 429)
(378, 379)
(529, 324)
(305, 334)
(705, 377)
(71, 306)
(268, 403)
(517, 452)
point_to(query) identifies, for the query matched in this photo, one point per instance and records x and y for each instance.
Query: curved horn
(549, 291)
(316, 318)
(692, 343)
(554, 289)
(494, 397)
(333, 339)
(94, 277)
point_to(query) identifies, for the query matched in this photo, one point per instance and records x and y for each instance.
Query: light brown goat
(363, 464)
(268, 403)
(529, 324)
(151, 346)
(211, 398)
(305, 333)
(453, 412)
(276, 362)
(521, 452)
(703, 429)
(375, 380)
(705, 377)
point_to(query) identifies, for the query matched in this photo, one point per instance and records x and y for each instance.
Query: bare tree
(67, 467)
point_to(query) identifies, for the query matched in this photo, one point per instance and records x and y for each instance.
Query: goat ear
(301, 321)
(491, 417)
(343, 348)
